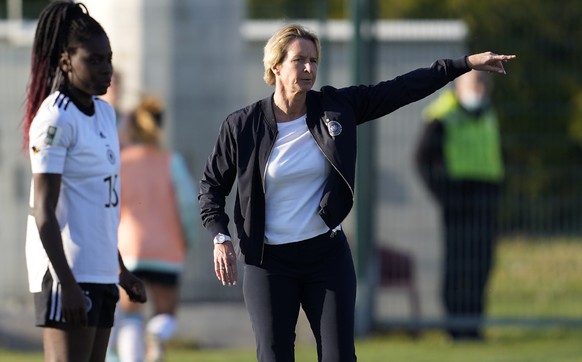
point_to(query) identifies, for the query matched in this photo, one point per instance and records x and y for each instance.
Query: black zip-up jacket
(247, 136)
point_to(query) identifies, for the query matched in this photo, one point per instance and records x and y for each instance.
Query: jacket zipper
(265, 192)
(331, 163)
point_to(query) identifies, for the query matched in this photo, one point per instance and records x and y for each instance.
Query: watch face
(221, 238)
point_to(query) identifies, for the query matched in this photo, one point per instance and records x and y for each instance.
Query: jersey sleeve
(50, 136)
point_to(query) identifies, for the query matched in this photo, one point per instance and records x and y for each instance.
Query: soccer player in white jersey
(71, 244)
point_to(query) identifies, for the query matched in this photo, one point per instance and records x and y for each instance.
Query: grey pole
(15, 10)
(363, 16)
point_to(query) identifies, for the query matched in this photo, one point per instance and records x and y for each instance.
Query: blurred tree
(30, 8)
(540, 102)
(295, 9)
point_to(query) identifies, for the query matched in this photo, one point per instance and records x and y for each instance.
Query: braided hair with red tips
(62, 27)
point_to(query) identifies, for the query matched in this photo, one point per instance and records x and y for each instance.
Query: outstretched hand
(133, 286)
(489, 61)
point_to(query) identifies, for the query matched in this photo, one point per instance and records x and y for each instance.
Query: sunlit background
(204, 58)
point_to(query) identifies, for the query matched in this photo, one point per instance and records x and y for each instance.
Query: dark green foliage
(30, 8)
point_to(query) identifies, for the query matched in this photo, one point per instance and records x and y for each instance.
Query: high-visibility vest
(471, 145)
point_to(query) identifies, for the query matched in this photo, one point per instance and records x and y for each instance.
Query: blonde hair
(276, 48)
(144, 123)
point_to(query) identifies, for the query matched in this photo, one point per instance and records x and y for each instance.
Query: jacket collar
(313, 109)
(269, 112)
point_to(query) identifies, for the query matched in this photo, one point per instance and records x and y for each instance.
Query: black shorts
(168, 279)
(101, 300)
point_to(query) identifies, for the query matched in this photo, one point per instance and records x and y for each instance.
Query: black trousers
(317, 275)
(470, 215)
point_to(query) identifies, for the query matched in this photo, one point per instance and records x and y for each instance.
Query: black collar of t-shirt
(87, 110)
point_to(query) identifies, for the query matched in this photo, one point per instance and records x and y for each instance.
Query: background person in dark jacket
(459, 159)
(293, 155)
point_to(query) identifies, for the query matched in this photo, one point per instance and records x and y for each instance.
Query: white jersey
(85, 151)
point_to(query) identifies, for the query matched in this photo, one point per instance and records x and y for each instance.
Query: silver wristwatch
(221, 238)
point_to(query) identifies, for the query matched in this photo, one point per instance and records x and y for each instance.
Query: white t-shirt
(85, 151)
(295, 178)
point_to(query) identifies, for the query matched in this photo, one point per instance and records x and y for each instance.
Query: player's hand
(133, 286)
(74, 305)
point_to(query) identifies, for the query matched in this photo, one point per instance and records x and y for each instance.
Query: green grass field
(501, 346)
(538, 278)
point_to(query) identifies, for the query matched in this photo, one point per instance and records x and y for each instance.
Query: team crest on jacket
(334, 128)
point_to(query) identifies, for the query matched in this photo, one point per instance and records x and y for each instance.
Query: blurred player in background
(158, 221)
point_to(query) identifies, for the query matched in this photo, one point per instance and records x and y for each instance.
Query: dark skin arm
(132, 285)
(46, 195)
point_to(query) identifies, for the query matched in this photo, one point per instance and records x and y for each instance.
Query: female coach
(293, 155)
